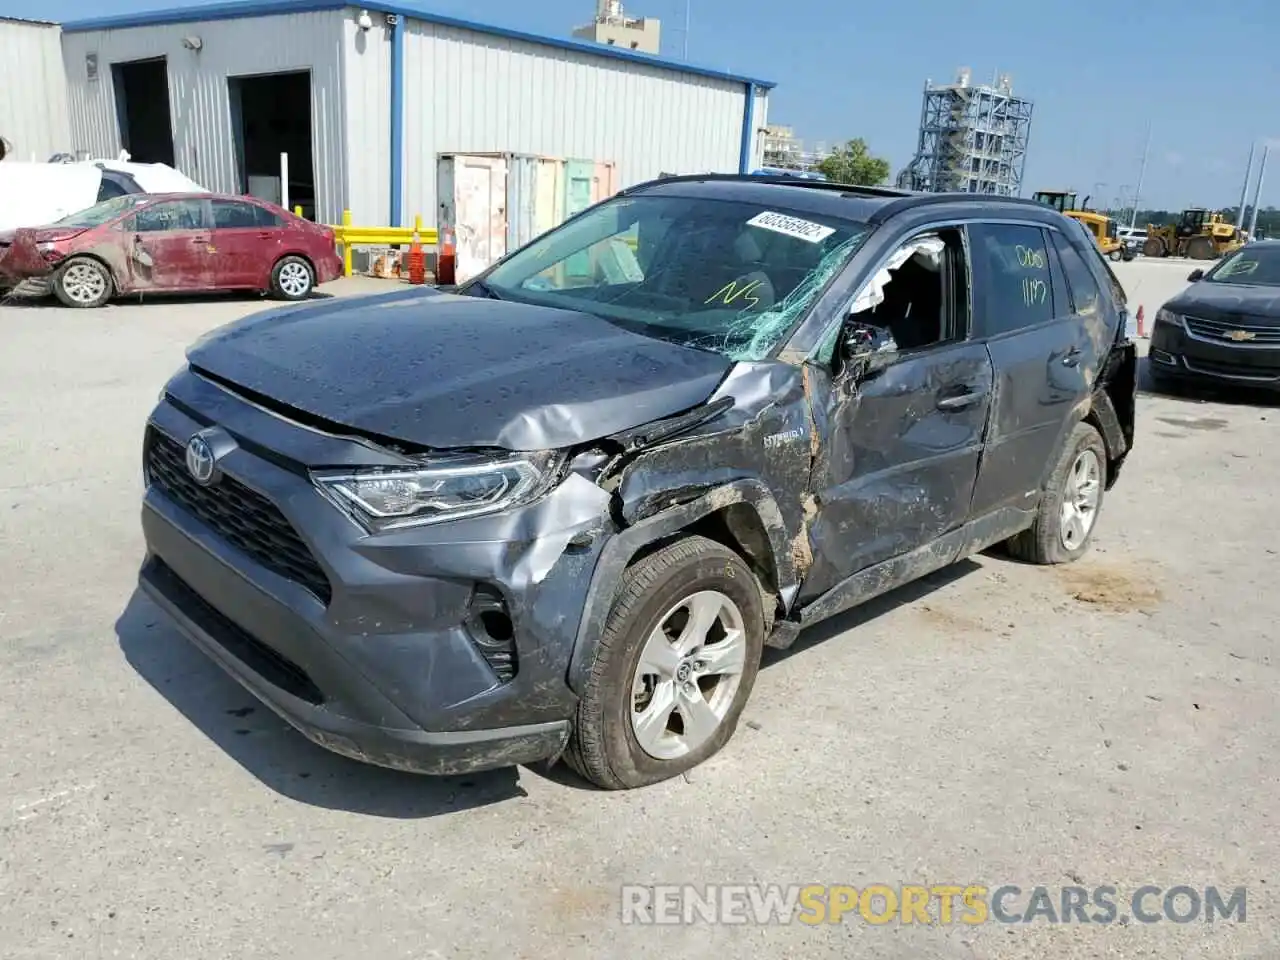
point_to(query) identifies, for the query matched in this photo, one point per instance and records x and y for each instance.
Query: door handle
(958, 401)
(1072, 358)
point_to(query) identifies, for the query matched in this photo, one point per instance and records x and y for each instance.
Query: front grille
(268, 663)
(1238, 370)
(1221, 330)
(243, 517)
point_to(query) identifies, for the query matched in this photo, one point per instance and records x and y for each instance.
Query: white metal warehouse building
(387, 89)
(33, 89)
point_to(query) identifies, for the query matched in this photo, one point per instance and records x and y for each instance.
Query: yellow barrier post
(346, 244)
(297, 210)
(348, 237)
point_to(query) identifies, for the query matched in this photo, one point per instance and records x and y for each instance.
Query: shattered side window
(722, 275)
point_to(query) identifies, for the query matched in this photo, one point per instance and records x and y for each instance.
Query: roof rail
(899, 200)
(924, 199)
(828, 185)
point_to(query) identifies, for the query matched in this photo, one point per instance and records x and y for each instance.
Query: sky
(1203, 76)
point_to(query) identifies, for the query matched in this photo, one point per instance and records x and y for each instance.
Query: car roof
(873, 205)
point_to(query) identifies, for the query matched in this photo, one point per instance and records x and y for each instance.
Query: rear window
(114, 185)
(232, 214)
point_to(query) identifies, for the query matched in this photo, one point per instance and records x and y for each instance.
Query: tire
(1153, 247)
(292, 278)
(83, 283)
(1201, 248)
(605, 747)
(1116, 256)
(1046, 541)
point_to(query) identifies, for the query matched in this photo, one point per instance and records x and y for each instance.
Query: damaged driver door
(905, 400)
(170, 246)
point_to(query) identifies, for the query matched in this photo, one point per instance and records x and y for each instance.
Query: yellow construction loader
(1102, 227)
(1198, 234)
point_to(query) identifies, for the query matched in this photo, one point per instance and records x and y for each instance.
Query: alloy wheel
(688, 674)
(83, 283)
(1080, 499)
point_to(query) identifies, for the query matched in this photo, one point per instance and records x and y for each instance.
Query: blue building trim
(748, 131)
(397, 121)
(266, 8)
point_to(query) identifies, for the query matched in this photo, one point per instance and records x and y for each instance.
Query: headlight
(1168, 316)
(388, 499)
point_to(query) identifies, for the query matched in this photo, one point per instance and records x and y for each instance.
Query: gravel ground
(1107, 723)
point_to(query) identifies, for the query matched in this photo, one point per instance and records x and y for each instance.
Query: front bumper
(370, 646)
(1175, 352)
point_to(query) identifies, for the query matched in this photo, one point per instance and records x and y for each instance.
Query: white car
(1132, 238)
(36, 194)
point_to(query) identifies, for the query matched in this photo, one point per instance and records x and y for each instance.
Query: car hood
(1228, 301)
(441, 370)
(40, 234)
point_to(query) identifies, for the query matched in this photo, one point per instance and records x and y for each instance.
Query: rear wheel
(292, 279)
(82, 282)
(674, 666)
(1069, 509)
(1116, 255)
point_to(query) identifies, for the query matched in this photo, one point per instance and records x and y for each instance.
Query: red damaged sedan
(172, 243)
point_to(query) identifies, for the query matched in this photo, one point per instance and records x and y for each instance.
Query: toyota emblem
(200, 460)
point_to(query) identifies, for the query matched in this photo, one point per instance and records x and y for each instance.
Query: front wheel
(292, 279)
(1116, 256)
(1069, 509)
(1201, 248)
(674, 667)
(83, 283)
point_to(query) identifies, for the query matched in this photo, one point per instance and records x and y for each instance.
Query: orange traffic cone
(417, 261)
(446, 259)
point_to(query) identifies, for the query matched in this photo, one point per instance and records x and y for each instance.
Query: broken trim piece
(619, 551)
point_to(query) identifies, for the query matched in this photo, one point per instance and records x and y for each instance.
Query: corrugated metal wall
(33, 90)
(367, 91)
(204, 147)
(468, 92)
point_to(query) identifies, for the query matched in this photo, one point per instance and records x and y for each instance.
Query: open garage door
(271, 115)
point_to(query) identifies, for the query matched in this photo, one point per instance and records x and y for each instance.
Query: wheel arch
(742, 516)
(301, 255)
(98, 258)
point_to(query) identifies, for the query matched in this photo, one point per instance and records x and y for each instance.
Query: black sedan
(1225, 327)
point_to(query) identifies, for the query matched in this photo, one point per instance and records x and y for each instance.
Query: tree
(854, 164)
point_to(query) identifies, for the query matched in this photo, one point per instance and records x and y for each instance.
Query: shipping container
(498, 202)
(473, 204)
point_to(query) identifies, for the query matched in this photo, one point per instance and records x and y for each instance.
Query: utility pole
(687, 5)
(1244, 190)
(1142, 172)
(1257, 191)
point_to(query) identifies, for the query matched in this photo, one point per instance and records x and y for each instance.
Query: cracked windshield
(725, 276)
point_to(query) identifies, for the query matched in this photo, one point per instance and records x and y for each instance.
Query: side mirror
(1195, 275)
(865, 348)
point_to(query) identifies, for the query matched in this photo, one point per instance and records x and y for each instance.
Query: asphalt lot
(1110, 722)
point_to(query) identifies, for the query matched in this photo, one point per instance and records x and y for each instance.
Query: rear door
(171, 246)
(248, 240)
(1040, 351)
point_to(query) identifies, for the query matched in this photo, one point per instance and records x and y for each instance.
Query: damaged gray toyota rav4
(559, 510)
